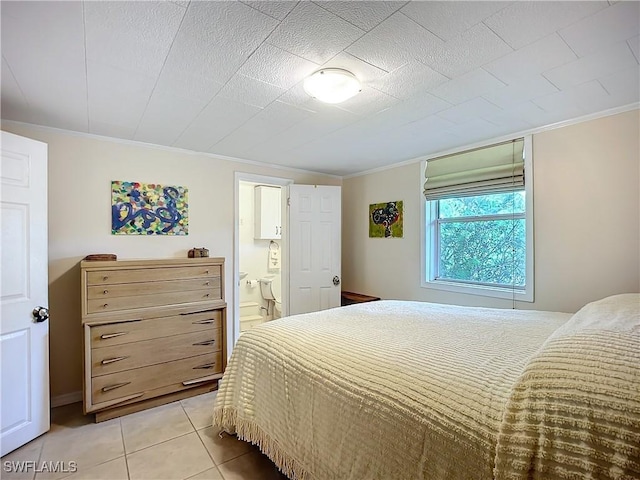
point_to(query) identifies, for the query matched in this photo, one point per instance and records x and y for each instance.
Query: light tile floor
(170, 442)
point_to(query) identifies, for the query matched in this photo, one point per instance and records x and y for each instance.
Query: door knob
(336, 280)
(40, 314)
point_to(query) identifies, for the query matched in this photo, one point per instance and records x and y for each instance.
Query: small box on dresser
(154, 332)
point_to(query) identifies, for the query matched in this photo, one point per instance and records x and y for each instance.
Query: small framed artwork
(149, 209)
(385, 220)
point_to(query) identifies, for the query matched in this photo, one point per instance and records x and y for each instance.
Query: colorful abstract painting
(149, 209)
(385, 220)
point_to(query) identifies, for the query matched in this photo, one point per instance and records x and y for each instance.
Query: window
(478, 222)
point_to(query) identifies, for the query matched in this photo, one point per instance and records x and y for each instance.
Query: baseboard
(66, 399)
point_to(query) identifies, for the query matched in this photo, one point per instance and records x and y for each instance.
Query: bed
(414, 390)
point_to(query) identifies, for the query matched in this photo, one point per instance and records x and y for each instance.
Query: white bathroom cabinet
(268, 213)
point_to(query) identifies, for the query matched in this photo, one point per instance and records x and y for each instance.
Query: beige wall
(80, 173)
(587, 217)
(586, 221)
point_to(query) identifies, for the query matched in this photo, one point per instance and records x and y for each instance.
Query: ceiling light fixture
(332, 85)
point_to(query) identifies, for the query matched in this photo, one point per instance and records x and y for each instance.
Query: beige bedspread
(574, 413)
(383, 390)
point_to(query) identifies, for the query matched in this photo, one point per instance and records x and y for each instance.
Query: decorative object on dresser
(154, 332)
(100, 257)
(198, 252)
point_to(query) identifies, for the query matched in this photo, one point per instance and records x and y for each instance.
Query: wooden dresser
(154, 332)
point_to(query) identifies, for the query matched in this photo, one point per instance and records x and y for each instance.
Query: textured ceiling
(226, 77)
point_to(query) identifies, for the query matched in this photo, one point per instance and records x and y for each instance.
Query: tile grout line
(236, 457)
(200, 438)
(159, 443)
(124, 449)
(163, 441)
(93, 424)
(126, 454)
(195, 430)
(41, 450)
(198, 409)
(188, 417)
(215, 464)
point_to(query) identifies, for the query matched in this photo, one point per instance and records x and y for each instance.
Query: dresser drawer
(151, 352)
(107, 292)
(151, 274)
(99, 305)
(134, 331)
(121, 384)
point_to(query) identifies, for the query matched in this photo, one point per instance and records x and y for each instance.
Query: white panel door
(24, 342)
(314, 247)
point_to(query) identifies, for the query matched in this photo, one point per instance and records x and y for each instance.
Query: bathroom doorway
(260, 254)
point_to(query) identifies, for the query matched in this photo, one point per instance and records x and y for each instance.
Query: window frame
(429, 244)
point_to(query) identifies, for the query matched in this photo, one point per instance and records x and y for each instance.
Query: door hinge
(288, 201)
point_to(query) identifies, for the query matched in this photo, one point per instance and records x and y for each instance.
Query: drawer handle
(107, 361)
(105, 292)
(112, 335)
(206, 366)
(108, 388)
(105, 305)
(206, 284)
(203, 322)
(208, 378)
(206, 294)
(206, 342)
(105, 278)
(199, 311)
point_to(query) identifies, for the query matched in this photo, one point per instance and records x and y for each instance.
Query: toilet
(270, 291)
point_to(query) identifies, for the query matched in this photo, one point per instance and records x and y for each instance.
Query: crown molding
(531, 131)
(138, 143)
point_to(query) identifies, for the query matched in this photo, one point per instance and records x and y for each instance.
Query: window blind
(493, 169)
